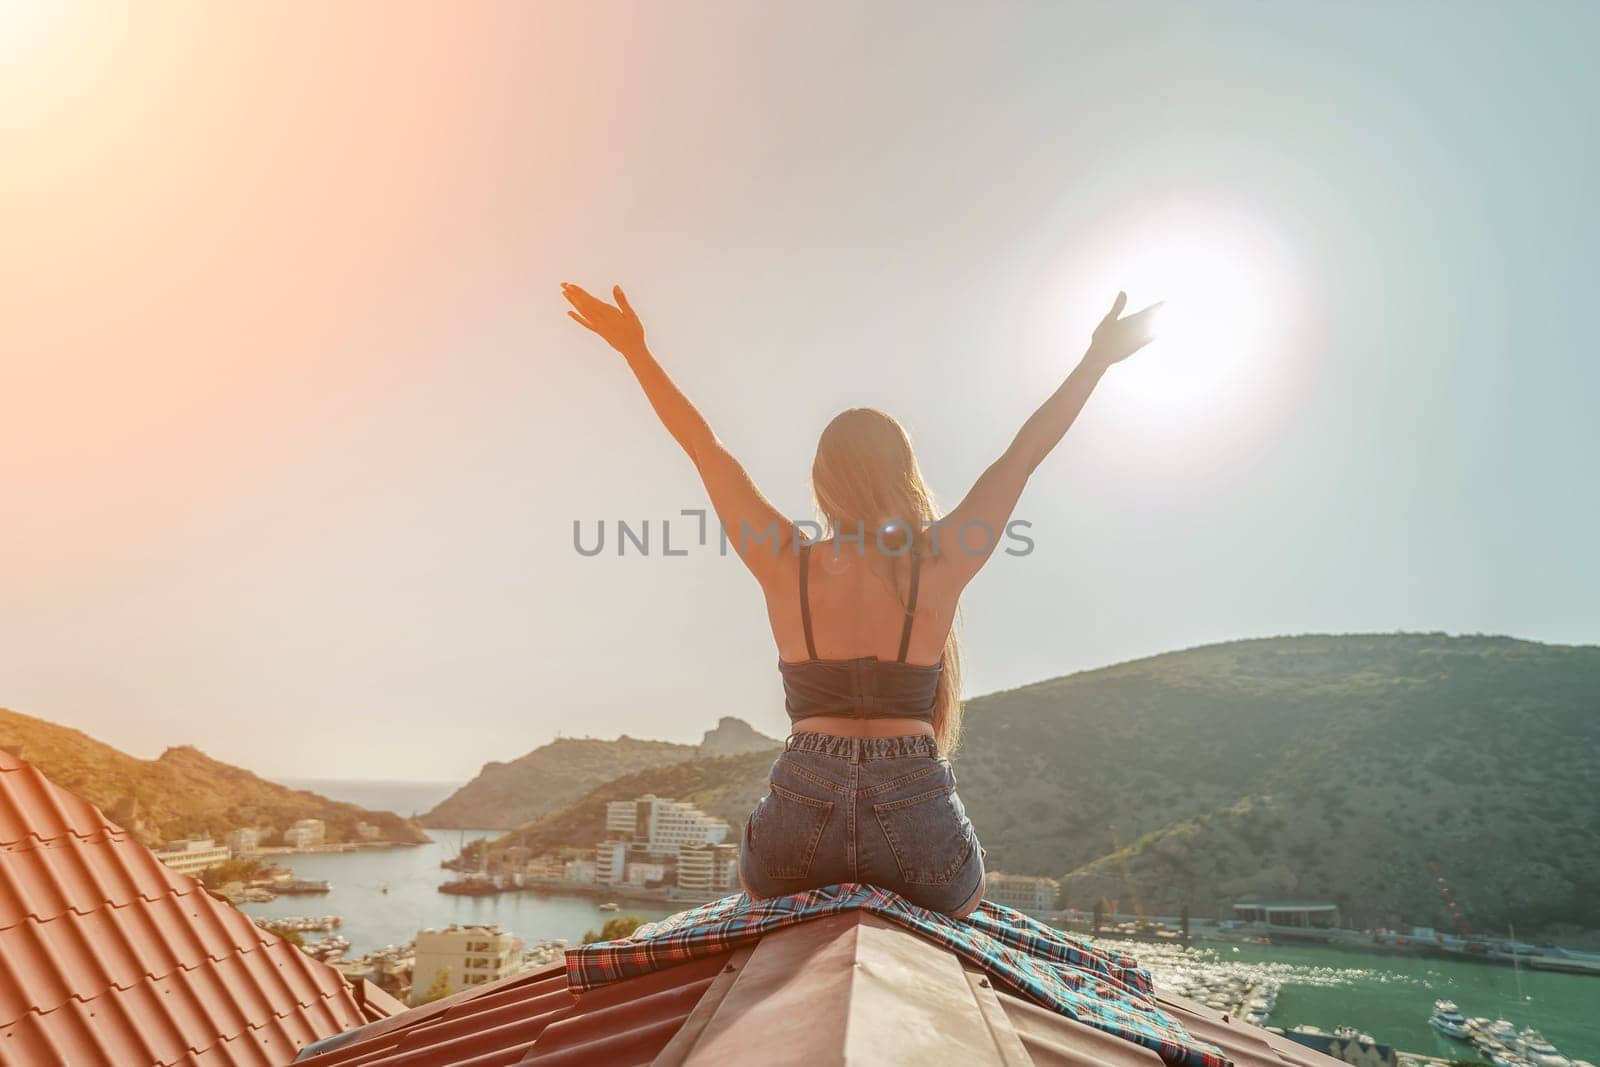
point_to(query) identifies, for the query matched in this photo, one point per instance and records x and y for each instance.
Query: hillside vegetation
(726, 787)
(1333, 767)
(182, 793)
(1325, 767)
(506, 795)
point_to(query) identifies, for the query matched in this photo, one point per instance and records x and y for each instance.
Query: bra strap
(911, 606)
(805, 601)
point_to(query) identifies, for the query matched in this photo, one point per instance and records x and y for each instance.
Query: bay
(1385, 995)
(374, 918)
(1389, 996)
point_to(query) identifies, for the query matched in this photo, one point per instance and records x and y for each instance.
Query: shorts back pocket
(785, 829)
(928, 834)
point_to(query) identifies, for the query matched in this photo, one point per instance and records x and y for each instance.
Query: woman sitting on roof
(864, 791)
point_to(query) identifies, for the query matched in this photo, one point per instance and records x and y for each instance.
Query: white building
(244, 839)
(470, 955)
(708, 870)
(580, 871)
(305, 833)
(645, 836)
(610, 862)
(193, 855)
(646, 873)
(662, 824)
(1021, 891)
(545, 869)
(368, 832)
(622, 820)
(1288, 912)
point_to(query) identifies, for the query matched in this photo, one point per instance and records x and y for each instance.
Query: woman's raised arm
(989, 504)
(755, 529)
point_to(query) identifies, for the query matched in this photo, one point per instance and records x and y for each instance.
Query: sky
(294, 429)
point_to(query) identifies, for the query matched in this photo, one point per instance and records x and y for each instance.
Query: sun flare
(1220, 334)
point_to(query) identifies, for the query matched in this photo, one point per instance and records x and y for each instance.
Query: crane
(1143, 924)
(1449, 901)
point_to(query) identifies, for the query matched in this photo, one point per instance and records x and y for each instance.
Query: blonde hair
(866, 472)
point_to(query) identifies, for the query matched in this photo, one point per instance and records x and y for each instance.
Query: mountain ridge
(511, 793)
(1331, 766)
(182, 792)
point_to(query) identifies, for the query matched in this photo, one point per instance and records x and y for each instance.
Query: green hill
(1327, 767)
(1333, 767)
(726, 787)
(506, 795)
(182, 793)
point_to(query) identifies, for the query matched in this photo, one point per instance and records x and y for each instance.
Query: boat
(609, 905)
(303, 885)
(1538, 1051)
(1497, 1041)
(1498, 1030)
(1350, 1033)
(1501, 1056)
(299, 922)
(1258, 1005)
(328, 948)
(473, 885)
(1447, 1019)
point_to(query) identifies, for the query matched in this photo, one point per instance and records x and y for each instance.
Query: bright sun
(1222, 330)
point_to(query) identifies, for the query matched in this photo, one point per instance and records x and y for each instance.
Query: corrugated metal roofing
(109, 957)
(532, 1018)
(813, 995)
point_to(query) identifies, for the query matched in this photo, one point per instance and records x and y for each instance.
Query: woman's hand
(1116, 339)
(618, 324)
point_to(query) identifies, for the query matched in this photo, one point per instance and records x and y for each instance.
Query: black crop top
(861, 688)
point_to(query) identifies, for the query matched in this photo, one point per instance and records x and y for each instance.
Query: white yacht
(1501, 1031)
(1350, 1033)
(1501, 1056)
(1448, 1020)
(1538, 1051)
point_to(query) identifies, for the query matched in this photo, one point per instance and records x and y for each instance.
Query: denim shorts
(880, 810)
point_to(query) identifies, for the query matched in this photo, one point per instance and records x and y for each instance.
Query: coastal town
(665, 853)
(240, 857)
(660, 850)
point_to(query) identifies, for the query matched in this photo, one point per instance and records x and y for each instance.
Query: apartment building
(306, 833)
(662, 824)
(244, 839)
(469, 955)
(192, 855)
(1023, 892)
(707, 871)
(646, 836)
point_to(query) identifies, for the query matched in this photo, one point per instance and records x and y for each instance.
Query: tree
(614, 929)
(440, 986)
(237, 869)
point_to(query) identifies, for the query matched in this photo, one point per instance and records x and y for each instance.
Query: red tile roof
(111, 957)
(849, 989)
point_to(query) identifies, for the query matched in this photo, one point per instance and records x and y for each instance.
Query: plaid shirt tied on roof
(1036, 962)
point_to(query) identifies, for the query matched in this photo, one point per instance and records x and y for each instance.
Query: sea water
(1389, 996)
(374, 918)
